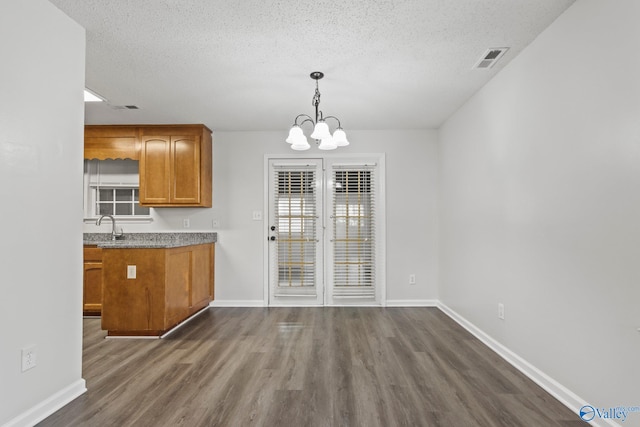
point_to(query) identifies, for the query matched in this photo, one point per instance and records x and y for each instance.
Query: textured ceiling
(244, 65)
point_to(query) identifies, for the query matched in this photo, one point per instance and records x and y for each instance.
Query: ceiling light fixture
(90, 96)
(320, 133)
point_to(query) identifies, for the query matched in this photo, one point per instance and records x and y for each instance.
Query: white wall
(238, 190)
(41, 124)
(540, 204)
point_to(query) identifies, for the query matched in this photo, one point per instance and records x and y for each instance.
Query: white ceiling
(245, 64)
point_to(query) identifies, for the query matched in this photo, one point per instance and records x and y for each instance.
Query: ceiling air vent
(490, 57)
(124, 107)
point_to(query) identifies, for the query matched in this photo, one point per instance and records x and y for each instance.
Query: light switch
(257, 215)
(131, 271)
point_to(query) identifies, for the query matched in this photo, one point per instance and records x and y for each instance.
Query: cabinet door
(178, 282)
(92, 290)
(155, 170)
(185, 163)
(201, 294)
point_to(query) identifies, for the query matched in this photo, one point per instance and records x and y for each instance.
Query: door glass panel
(295, 216)
(353, 233)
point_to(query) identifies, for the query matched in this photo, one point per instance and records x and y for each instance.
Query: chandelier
(320, 133)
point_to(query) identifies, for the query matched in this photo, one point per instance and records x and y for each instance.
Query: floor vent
(490, 57)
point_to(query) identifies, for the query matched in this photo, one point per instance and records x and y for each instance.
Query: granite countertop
(149, 240)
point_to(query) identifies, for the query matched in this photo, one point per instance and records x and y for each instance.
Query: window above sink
(111, 187)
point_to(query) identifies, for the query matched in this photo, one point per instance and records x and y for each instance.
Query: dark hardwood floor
(336, 366)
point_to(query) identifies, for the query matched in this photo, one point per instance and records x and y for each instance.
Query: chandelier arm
(308, 117)
(335, 118)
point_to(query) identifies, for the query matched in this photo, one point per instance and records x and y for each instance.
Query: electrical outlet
(131, 271)
(28, 358)
(186, 223)
(412, 279)
(500, 311)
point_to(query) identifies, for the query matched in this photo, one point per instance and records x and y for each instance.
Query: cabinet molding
(111, 142)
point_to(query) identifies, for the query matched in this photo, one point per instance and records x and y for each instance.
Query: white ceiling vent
(490, 57)
(124, 107)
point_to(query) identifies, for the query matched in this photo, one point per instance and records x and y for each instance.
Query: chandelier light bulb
(294, 133)
(300, 147)
(327, 144)
(300, 142)
(321, 131)
(340, 138)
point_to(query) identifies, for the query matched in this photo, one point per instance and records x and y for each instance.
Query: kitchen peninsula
(151, 282)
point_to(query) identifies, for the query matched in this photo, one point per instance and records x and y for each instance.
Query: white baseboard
(48, 406)
(389, 303)
(297, 305)
(554, 388)
(237, 303)
(412, 303)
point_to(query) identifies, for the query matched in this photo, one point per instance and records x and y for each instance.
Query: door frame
(381, 244)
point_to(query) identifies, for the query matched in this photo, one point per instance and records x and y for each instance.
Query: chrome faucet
(114, 233)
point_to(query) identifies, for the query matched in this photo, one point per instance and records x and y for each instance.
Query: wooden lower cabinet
(92, 281)
(169, 286)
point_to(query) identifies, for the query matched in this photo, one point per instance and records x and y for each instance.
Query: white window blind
(354, 226)
(295, 218)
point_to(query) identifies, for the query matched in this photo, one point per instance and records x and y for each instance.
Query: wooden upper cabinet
(175, 166)
(111, 142)
(175, 160)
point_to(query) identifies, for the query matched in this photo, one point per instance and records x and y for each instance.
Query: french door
(295, 232)
(324, 242)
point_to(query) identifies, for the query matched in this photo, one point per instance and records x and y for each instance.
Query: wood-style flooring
(334, 366)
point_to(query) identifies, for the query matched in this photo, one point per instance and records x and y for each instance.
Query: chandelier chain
(316, 97)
